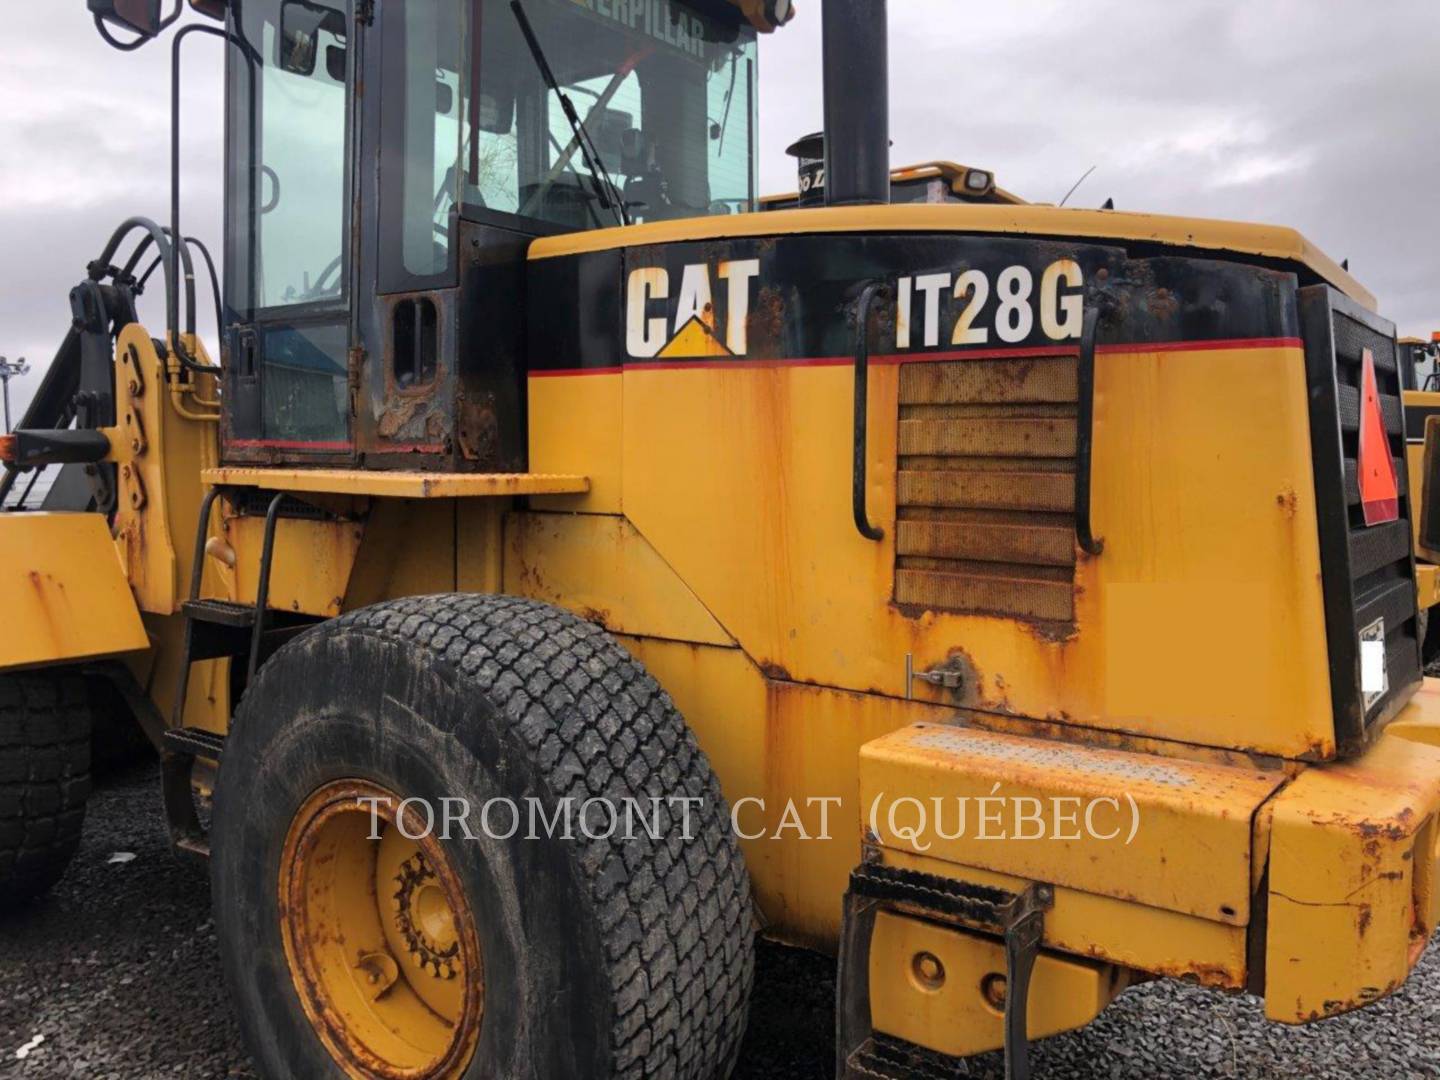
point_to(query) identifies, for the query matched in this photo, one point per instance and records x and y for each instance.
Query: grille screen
(986, 486)
(1369, 574)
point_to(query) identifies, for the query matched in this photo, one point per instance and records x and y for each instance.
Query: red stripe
(735, 362)
(1017, 353)
(576, 371)
(291, 444)
(1206, 346)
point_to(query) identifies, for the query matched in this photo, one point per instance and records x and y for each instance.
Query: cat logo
(687, 324)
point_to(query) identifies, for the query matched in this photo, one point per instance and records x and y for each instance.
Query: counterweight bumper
(1312, 885)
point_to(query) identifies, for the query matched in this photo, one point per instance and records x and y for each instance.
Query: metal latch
(947, 676)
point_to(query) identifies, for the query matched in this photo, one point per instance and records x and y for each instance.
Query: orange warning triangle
(1379, 492)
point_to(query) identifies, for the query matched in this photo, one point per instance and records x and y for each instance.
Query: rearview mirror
(497, 113)
(138, 16)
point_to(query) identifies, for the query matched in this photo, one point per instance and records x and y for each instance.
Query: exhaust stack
(857, 102)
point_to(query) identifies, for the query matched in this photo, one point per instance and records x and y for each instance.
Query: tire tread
(674, 916)
(45, 725)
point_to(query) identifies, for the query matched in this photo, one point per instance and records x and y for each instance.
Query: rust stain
(1213, 975)
(772, 670)
(396, 416)
(1162, 304)
(766, 326)
(478, 430)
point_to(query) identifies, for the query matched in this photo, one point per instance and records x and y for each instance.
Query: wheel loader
(1017, 603)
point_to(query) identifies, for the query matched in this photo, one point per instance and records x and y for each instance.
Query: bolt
(992, 988)
(929, 972)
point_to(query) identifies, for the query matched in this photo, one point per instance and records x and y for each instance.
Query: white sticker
(1374, 680)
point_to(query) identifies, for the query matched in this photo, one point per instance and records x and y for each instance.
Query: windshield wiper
(605, 189)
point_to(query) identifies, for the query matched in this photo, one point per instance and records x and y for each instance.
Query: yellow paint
(1156, 831)
(601, 567)
(379, 937)
(159, 484)
(1268, 241)
(63, 591)
(575, 428)
(309, 568)
(774, 743)
(409, 549)
(952, 1014)
(1130, 935)
(1419, 721)
(399, 485)
(1352, 875)
(1211, 564)
(1427, 584)
(480, 545)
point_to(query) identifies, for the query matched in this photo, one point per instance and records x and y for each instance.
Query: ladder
(216, 629)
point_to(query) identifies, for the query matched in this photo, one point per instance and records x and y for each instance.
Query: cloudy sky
(1321, 114)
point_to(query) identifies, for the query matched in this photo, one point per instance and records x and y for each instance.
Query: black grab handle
(862, 393)
(1085, 433)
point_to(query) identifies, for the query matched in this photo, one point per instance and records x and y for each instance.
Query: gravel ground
(118, 970)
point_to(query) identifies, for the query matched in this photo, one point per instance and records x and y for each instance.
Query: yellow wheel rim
(380, 938)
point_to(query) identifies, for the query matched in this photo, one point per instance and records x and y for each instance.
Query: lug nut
(929, 971)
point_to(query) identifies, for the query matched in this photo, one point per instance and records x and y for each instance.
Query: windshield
(666, 95)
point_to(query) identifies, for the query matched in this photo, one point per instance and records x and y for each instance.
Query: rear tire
(601, 958)
(44, 779)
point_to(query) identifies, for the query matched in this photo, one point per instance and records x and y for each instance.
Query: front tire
(44, 779)
(594, 957)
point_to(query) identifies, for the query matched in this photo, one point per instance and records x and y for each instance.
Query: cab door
(289, 208)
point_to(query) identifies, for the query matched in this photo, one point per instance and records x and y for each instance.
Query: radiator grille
(986, 486)
(1369, 573)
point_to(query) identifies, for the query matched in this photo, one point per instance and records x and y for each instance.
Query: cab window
(665, 94)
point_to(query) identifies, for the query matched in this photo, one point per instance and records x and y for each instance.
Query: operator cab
(387, 170)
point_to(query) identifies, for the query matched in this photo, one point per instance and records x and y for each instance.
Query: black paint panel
(800, 303)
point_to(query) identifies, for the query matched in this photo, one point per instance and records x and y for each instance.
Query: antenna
(1077, 183)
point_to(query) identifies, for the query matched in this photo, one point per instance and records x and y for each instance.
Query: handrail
(1085, 433)
(179, 248)
(262, 587)
(868, 296)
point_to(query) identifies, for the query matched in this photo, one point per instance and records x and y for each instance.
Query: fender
(63, 591)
